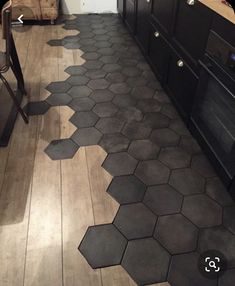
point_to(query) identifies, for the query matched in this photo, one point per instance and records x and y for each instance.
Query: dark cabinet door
(192, 28)
(130, 16)
(142, 23)
(159, 52)
(120, 7)
(181, 84)
(163, 12)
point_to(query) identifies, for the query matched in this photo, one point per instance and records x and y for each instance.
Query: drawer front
(131, 14)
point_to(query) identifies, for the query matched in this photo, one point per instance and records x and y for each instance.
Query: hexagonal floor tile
(97, 84)
(84, 119)
(92, 65)
(61, 149)
(170, 111)
(130, 114)
(82, 104)
(127, 189)
(146, 261)
(90, 56)
(110, 125)
(203, 166)
(77, 80)
(37, 108)
(149, 105)
(86, 136)
(202, 211)
(179, 127)
(58, 87)
(143, 150)
(59, 99)
(190, 145)
(79, 91)
(143, 92)
(165, 137)
(172, 227)
(135, 221)
(163, 200)
(187, 182)
(113, 143)
(109, 59)
(131, 71)
(220, 239)
(175, 157)
(229, 218)
(136, 130)
(116, 77)
(228, 278)
(105, 109)
(120, 88)
(157, 120)
(96, 74)
(184, 271)
(103, 246)
(136, 81)
(111, 67)
(75, 70)
(152, 172)
(119, 164)
(124, 101)
(102, 95)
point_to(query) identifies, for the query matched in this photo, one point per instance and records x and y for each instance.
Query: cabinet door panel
(120, 6)
(131, 14)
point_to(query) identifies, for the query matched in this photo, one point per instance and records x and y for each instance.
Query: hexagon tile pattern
(172, 205)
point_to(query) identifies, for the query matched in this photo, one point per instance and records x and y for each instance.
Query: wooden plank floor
(46, 206)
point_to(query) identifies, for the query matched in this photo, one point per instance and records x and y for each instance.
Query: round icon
(212, 264)
(19, 15)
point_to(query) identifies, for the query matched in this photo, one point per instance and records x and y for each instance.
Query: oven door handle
(215, 78)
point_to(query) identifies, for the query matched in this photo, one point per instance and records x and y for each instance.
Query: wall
(88, 6)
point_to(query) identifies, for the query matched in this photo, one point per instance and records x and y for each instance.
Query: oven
(213, 115)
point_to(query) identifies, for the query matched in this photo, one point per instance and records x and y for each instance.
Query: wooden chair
(9, 59)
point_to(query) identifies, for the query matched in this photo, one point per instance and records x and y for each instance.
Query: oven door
(214, 113)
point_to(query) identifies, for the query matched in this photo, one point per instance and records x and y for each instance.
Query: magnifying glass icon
(212, 264)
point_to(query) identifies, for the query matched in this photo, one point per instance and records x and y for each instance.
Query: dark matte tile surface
(165, 137)
(82, 104)
(143, 150)
(113, 143)
(228, 278)
(110, 125)
(84, 119)
(229, 218)
(201, 164)
(58, 87)
(86, 136)
(37, 108)
(136, 130)
(61, 149)
(59, 99)
(105, 109)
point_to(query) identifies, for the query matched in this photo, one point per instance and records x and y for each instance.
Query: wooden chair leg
(17, 104)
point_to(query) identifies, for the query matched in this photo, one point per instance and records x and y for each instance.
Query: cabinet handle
(180, 63)
(157, 34)
(190, 2)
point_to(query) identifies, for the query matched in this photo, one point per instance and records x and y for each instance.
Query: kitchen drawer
(130, 18)
(159, 53)
(181, 84)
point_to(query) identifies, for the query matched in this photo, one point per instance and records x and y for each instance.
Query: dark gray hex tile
(113, 143)
(120, 88)
(102, 96)
(103, 246)
(131, 71)
(127, 189)
(93, 65)
(103, 44)
(135, 221)
(70, 39)
(105, 109)
(109, 59)
(72, 46)
(89, 49)
(84, 119)
(136, 81)
(55, 43)
(79, 91)
(96, 84)
(149, 105)
(117, 40)
(152, 172)
(116, 77)
(76, 70)
(142, 92)
(187, 182)
(220, 239)
(87, 42)
(149, 75)
(58, 87)
(87, 35)
(130, 114)
(110, 125)
(144, 66)
(143, 150)
(82, 104)
(101, 38)
(86, 136)
(202, 211)
(128, 62)
(91, 56)
(37, 108)
(165, 137)
(203, 166)
(175, 157)
(124, 100)
(170, 111)
(163, 200)
(156, 120)
(106, 51)
(179, 127)
(184, 271)
(61, 149)
(229, 218)
(59, 99)
(119, 164)
(228, 278)
(160, 94)
(146, 261)
(217, 191)
(96, 74)
(176, 234)
(136, 130)
(77, 80)
(190, 145)
(99, 31)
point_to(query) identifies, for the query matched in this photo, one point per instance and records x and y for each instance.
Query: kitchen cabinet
(120, 7)
(142, 23)
(130, 15)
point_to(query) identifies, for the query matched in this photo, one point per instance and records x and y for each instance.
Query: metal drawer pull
(180, 63)
(191, 2)
(157, 34)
